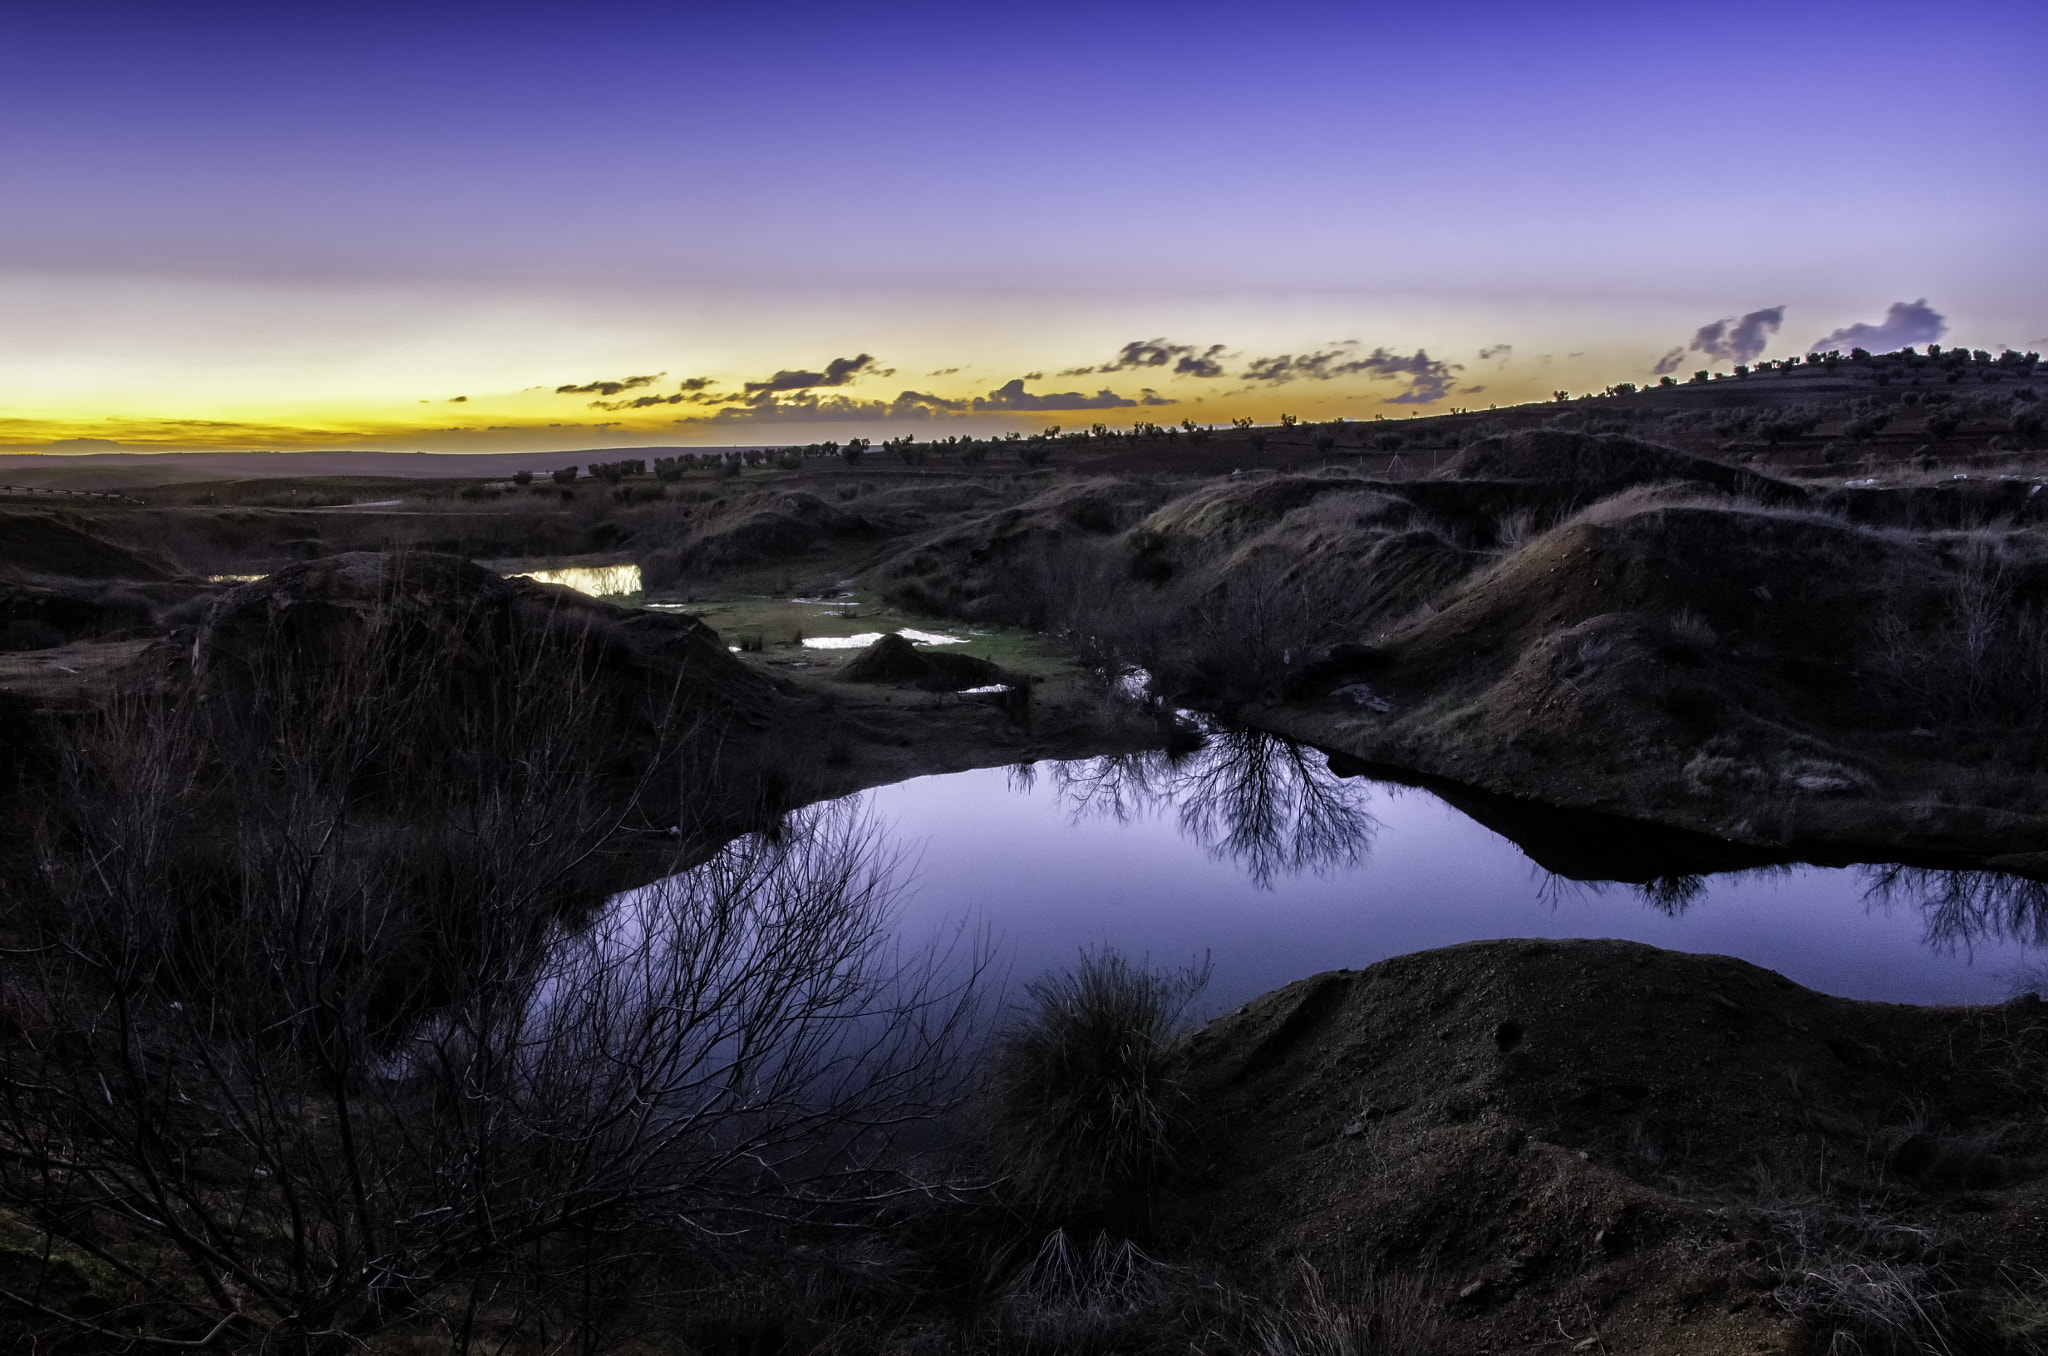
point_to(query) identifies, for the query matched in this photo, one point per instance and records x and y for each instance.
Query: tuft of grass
(1089, 1107)
(1365, 1315)
(1869, 1283)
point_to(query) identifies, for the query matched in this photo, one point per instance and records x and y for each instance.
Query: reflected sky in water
(1252, 851)
(599, 581)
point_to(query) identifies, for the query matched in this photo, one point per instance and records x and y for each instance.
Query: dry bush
(1982, 656)
(1869, 1285)
(1238, 640)
(30, 634)
(1110, 1298)
(312, 1037)
(1513, 531)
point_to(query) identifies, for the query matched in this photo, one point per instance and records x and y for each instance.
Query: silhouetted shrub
(1983, 654)
(1089, 1109)
(29, 634)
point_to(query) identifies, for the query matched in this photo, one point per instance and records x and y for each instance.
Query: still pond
(1252, 852)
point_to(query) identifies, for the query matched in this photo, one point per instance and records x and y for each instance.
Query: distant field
(156, 468)
(45, 473)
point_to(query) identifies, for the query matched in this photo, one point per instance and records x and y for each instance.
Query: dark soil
(1601, 1140)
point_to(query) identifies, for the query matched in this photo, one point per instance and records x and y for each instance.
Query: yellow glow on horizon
(162, 362)
(531, 420)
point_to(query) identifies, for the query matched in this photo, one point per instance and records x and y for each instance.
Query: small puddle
(599, 581)
(867, 638)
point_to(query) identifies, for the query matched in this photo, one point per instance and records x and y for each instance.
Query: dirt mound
(1402, 572)
(907, 508)
(1601, 464)
(1745, 673)
(892, 659)
(1212, 522)
(1798, 586)
(45, 544)
(310, 622)
(60, 583)
(1659, 1152)
(34, 617)
(971, 569)
(729, 533)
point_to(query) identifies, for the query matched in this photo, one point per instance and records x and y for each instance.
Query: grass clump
(1089, 1107)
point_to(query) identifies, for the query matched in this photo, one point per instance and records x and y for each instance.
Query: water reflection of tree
(1671, 895)
(1271, 805)
(1963, 907)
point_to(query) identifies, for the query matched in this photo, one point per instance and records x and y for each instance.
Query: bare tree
(310, 1033)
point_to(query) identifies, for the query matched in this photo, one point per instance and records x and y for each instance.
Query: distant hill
(119, 470)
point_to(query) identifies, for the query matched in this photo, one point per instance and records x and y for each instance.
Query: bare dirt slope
(1598, 1145)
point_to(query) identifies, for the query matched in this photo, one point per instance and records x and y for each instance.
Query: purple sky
(306, 225)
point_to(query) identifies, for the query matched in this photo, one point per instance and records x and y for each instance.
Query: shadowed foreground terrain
(1664, 1152)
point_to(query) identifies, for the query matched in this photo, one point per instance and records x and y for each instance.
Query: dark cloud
(1732, 340)
(1012, 397)
(943, 372)
(458, 400)
(1487, 355)
(1906, 324)
(838, 372)
(1289, 367)
(610, 388)
(1148, 396)
(1186, 360)
(689, 391)
(823, 409)
(1430, 378)
(640, 402)
(792, 397)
